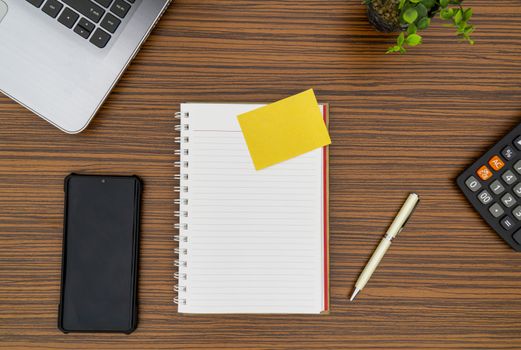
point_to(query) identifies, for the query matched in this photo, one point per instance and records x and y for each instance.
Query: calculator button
(517, 143)
(485, 197)
(517, 190)
(517, 212)
(484, 173)
(517, 166)
(517, 237)
(507, 223)
(496, 163)
(508, 200)
(509, 177)
(497, 187)
(496, 210)
(508, 152)
(473, 184)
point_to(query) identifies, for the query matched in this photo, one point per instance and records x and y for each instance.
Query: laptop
(61, 58)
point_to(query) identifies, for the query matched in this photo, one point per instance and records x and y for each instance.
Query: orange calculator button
(496, 163)
(484, 173)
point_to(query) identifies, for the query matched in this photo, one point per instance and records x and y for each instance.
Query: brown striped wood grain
(398, 124)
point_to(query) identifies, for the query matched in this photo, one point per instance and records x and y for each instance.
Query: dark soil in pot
(385, 16)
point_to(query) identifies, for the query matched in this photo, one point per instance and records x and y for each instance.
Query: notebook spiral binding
(181, 227)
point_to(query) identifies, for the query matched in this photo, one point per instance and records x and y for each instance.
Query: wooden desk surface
(398, 124)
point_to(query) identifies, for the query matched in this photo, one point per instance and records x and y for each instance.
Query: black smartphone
(100, 254)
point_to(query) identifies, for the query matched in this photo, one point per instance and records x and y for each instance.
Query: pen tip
(355, 293)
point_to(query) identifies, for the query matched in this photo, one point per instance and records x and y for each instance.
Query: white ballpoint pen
(396, 227)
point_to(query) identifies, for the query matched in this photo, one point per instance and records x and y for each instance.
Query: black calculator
(493, 186)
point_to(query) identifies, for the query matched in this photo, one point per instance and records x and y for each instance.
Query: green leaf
(401, 39)
(444, 3)
(410, 15)
(469, 30)
(458, 16)
(424, 23)
(412, 29)
(446, 14)
(402, 3)
(422, 10)
(393, 49)
(428, 3)
(413, 40)
(467, 14)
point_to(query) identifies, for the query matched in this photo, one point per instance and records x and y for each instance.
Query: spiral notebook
(249, 241)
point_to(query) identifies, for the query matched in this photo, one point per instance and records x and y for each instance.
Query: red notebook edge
(325, 108)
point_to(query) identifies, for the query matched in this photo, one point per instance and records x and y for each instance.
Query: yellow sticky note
(284, 129)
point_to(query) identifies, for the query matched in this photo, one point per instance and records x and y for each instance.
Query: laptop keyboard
(95, 21)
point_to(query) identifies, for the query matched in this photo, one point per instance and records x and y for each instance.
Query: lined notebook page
(252, 241)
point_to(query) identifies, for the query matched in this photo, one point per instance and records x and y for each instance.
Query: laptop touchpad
(3, 10)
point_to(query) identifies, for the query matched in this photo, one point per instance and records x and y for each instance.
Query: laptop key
(104, 3)
(110, 23)
(84, 33)
(120, 8)
(52, 8)
(36, 3)
(87, 8)
(86, 24)
(100, 38)
(68, 17)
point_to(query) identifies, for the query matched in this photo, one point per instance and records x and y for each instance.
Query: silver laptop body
(60, 58)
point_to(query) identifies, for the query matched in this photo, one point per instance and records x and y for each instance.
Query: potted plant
(412, 16)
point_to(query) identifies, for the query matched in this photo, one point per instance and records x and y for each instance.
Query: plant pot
(384, 15)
